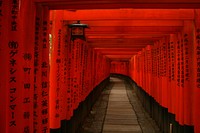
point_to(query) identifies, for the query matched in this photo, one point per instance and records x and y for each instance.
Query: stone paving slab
(121, 121)
(119, 107)
(120, 117)
(122, 128)
(119, 103)
(118, 96)
(119, 111)
(123, 132)
(118, 99)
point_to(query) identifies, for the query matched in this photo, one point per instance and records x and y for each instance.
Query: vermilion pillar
(172, 68)
(188, 53)
(76, 87)
(16, 55)
(37, 70)
(64, 53)
(165, 89)
(69, 95)
(41, 70)
(168, 72)
(196, 74)
(83, 93)
(15, 81)
(28, 23)
(56, 70)
(45, 71)
(148, 68)
(4, 67)
(177, 66)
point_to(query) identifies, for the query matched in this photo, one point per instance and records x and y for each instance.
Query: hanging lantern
(78, 30)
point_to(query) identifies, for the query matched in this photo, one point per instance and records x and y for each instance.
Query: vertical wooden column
(37, 70)
(153, 71)
(15, 79)
(79, 70)
(165, 94)
(182, 80)
(55, 71)
(168, 72)
(28, 23)
(159, 77)
(90, 72)
(87, 72)
(145, 70)
(150, 71)
(149, 66)
(83, 73)
(175, 90)
(16, 56)
(179, 75)
(45, 71)
(93, 68)
(188, 69)
(157, 83)
(4, 67)
(69, 77)
(41, 70)
(139, 68)
(64, 53)
(172, 69)
(196, 73)
(76, 44)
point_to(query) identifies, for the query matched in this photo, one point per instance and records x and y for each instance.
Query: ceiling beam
(126, 36)
(116, 49)
(116, 4)
(134, 30)
(117, 46)
(119, 56)
(118, 1)
(133, 23)
(119, 53)
(127, 14)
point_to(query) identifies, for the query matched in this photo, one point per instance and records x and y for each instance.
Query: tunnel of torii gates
(45, 74)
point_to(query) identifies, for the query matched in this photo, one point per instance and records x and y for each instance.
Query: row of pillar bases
(74, 124)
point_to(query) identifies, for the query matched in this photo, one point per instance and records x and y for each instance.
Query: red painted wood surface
(117, 4)
(120, 67)
(173, 66)
(56, 59)
(70, 61)
(4, 69)
(160, 48)
(195, 87)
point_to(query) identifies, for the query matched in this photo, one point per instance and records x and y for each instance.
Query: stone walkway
(118, 110)
(120, 116)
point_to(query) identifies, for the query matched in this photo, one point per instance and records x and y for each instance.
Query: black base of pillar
(55, 130)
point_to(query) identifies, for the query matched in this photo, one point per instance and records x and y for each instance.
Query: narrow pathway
(120, 116)
(118, 110)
